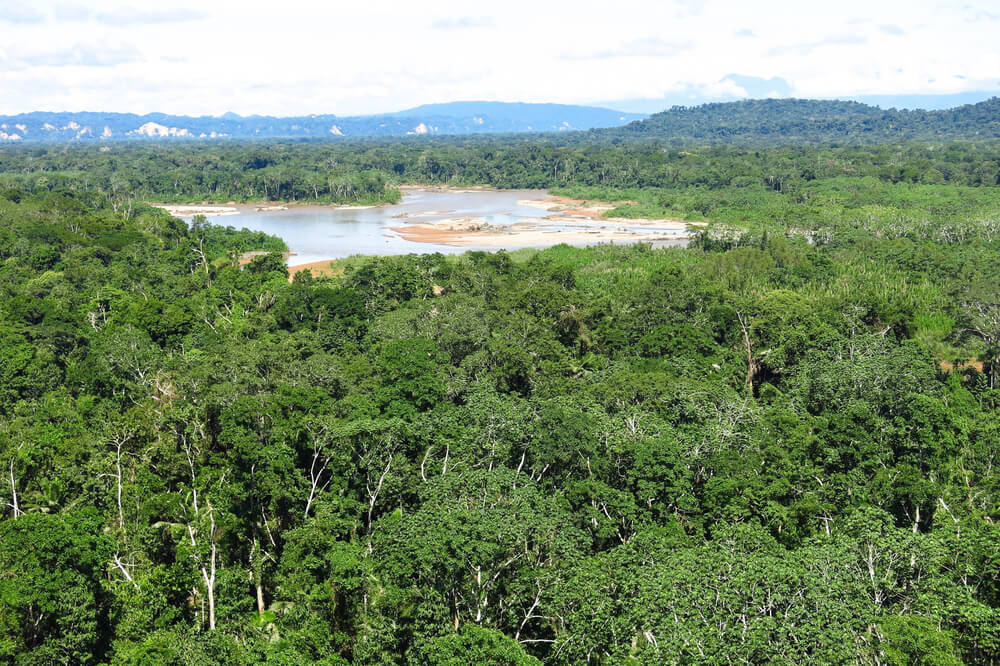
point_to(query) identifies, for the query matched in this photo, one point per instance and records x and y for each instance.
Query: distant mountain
(777, 88)
(802, 120)
(748, 121)
(520, 116)
(450, 118)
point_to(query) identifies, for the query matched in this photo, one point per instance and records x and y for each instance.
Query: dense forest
(369, 171)
(784, 121)
(778, 445)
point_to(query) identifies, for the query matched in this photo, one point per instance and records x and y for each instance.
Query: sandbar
(192, 210)
(570, 221)
(232, 208)
(532, 232)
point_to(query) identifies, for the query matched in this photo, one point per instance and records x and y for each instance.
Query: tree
(53, 607)
(474, 644)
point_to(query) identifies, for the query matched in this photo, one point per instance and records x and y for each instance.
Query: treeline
(368, 171)
(184, 173)
(763, 449)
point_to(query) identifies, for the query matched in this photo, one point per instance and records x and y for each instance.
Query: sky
(298, 57)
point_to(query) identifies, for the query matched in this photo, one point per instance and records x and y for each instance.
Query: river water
(316, 233)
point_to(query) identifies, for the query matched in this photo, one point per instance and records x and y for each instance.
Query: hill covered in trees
(792, 121)
(777, 446)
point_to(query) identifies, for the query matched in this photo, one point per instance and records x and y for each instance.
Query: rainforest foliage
(784, 121)
(779, 445)
(891, 189)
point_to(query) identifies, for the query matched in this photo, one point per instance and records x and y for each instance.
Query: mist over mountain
(448, 118)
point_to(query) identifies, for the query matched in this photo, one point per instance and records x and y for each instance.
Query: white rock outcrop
(152, 129)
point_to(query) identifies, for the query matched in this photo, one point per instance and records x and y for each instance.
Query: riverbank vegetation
(776, 446)
(901, 190)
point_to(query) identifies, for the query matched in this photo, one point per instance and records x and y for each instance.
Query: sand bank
(448, 188)
(530, 232)
(426, 213)
(192, 210)
(567, 206)
(232, 208)
(570, 221)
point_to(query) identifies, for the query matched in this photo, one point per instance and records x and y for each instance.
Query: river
(315, 232)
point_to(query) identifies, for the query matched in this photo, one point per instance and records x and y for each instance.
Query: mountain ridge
(447, 118)
(767, 121)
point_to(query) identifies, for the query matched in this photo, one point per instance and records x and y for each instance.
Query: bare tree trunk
(201, 253)
(119, 441)
(746, 342)
(207, 570)
(13, 490)
(124, 569)
(210, 576)
(257, 557)
(314, 479)
(530, 614)
(373, 494)
(210, 586)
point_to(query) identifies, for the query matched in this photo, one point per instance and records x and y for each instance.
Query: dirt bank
(317, 268)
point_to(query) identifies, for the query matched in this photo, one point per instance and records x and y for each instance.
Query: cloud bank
(301, 56)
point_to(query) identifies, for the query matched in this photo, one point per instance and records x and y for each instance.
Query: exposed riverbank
(437, 219)
(232, 208)
(573, 221)
(532, 232)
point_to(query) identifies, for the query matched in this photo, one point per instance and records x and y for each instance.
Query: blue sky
(298, 57)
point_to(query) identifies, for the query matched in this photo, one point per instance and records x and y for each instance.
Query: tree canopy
(778, 445)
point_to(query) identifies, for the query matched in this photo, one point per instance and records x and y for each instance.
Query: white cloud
(126, 16)
(71, 12)
(79, 55)
(803, 49)
(302, 56)
(648, 47)
(462, 23)
(19, 13)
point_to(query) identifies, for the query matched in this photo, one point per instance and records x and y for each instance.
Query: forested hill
(450, 118)
(813, 121)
